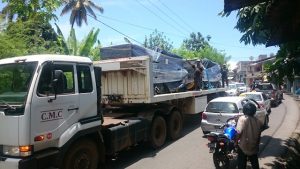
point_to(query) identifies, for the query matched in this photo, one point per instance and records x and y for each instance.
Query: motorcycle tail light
(222, 144)
(211, 138)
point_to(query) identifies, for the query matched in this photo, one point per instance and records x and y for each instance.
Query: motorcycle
(224, 145)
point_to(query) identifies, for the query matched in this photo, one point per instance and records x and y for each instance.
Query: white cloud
(232, 64)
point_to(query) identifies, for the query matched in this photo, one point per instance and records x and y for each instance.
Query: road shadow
(289, 158)
(126, 158)
(270, 146)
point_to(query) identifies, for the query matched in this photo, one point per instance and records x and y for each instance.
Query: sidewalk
(277, 147)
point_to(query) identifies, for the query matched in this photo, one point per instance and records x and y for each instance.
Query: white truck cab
(54, 111)
(45, 102)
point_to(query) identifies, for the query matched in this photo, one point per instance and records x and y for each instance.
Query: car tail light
(262, 105)
(204, 116)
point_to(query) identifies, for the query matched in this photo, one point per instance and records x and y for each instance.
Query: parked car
(260, 98)
(241, 87)
(271, 91)
(232, 90)
(220, 109)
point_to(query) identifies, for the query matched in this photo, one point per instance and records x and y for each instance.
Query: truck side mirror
(58, 83)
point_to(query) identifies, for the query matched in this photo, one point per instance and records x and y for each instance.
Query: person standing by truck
(198, 74)
(224, 72)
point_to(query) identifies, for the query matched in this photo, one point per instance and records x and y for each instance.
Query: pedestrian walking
(249, 132)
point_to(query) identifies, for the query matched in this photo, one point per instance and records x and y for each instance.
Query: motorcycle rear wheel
(221, 161)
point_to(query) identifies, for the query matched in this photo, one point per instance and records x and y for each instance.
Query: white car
(232, 90)
(219, 110)
(241, 87)
(260, 98)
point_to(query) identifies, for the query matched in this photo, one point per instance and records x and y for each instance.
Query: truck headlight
(17, 151)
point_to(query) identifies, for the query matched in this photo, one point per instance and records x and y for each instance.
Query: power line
(138, 26)
(233, 46)
(174, 13)
(143, 44)
(163, 12)
(159, 17)
(116, 30)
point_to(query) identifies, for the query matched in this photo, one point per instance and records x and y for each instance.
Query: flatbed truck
(69, 112)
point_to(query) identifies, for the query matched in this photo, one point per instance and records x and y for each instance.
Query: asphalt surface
(191, 152)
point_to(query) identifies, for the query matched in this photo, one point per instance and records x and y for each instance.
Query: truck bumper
(9, 163)
(39, 161)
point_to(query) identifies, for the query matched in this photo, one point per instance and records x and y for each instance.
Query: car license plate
(212, 147)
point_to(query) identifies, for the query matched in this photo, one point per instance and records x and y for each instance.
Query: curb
(290, 158)
(285, 152)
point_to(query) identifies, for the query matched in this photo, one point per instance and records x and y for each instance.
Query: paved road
(190, 151)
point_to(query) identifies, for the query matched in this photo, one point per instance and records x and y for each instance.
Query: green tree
(95, 52)
(251, 22)
(258, 27)
(158, 39)
(24, 10)
(83, 48)
(79, 10)
(207, 52)
(195, 42)
(11, 47)
(29, 37)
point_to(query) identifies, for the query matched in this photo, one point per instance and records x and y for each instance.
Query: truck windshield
(15, 82)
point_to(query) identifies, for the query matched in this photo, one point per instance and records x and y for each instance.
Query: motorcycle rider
(249, 131)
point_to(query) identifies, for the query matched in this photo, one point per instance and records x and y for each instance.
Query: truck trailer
(69, 112)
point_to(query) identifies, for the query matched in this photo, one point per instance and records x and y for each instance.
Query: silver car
(219, 110)
(260, 98)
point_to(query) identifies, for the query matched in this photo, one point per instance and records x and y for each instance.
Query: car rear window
(240, 85)
(255, 97)
(222, 107)
(265, 87)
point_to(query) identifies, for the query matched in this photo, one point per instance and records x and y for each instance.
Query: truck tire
(174, 125)
(158, 132)
(82, 154)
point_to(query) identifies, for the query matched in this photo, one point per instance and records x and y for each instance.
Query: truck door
(87, 93)
(51, 114)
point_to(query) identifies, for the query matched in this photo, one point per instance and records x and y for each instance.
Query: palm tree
(79, 9)
(84, 48)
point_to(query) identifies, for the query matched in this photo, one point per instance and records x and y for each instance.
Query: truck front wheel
(158, 132)
(174, 125)
(82, 155)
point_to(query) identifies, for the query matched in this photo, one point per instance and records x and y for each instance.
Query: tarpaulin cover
(168, 68)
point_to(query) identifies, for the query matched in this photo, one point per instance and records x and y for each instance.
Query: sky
(175, 18)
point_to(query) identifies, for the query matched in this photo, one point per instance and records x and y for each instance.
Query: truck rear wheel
(174, 125)
(82, 155)
(158, 132)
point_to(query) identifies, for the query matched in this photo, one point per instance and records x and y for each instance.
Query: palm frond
(89, 9)
(83, 15)
(69, 6)
(72, 42)
(93, 5)
(62, 40)
(89, 42)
